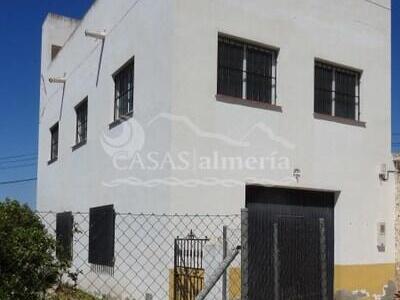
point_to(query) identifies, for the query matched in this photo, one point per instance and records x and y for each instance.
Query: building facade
(207, 107)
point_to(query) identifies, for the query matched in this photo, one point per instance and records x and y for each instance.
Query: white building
(227, 94)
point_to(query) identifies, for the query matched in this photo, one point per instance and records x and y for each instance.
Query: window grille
(81, 122)
(337, 91)
(101, 235)
(54, 142)
(246, 71)
(64, 235)
(124, 87)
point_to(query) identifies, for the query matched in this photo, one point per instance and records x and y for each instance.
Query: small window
(101, 235)
(64, 236)
(246, 71)
(337, 91)
(124, 86)
(54, 51)
(81, 122)
(54, 143)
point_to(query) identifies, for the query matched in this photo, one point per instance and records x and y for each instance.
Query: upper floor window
(81, 122)
(337, 91)
(54, 143)
(124, 85)
(246, 71)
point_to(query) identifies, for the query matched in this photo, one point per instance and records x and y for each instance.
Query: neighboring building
(283, 107)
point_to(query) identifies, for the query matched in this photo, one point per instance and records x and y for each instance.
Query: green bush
(28, 266)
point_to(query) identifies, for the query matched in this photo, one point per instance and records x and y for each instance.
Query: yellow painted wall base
(370, 278)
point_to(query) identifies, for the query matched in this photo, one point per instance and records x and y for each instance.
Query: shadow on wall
(388, 294)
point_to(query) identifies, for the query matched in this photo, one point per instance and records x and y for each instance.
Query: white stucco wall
(175, 47)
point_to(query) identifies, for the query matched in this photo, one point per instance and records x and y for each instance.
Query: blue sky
(20, 31)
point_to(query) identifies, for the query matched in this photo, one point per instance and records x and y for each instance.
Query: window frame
(244, 99)
(81, 126)
(117, 117)
(337, 68)
(54, 145)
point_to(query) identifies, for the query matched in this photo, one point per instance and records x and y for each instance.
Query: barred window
(337, 91)
(124, 85)
(54, 143)
(102, 235)
(81, 122)
(246, 70)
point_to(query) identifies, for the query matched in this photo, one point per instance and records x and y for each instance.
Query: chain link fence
(169, 257)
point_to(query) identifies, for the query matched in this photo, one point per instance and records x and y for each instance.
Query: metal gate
(188, 267)
(290, 244)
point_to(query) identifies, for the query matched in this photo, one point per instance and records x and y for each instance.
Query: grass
(69, 293)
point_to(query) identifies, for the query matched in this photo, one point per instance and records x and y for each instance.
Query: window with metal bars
(81, 122)
(124, 87)
(246, 71)
(64, 236)
(337, 91)
(54, 143)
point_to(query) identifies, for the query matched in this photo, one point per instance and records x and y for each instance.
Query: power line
(378, 4)
(18, 181)
(18, 160)
(17, 166)
(17, 156)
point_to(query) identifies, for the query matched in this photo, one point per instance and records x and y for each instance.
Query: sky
(20, 43)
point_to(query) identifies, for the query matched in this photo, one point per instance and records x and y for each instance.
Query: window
(64, 236)
(124, 80)
(54, 51)
(102, 235)
(81, 122)
(54, 143)
(337, 91)
(246, 71)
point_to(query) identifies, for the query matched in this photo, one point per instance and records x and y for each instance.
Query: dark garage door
(291, 244)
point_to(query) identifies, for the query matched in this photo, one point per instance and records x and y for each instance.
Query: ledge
(121, 120)
(51, 161)
(248, 103)
(340, 120)
(77, 146)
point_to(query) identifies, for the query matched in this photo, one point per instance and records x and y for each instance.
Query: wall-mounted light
(384, 173)
(297, 174)
(57, 79)
(96, 35)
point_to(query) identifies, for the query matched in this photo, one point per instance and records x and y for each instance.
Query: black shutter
(101, 235)
(230, 68)
(345, 96)
(259, 75)
(64, 235)
(323, 89)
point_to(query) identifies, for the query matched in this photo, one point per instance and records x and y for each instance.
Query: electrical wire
(86, 58)
(17, 166)
(17, 156)
(17, 181)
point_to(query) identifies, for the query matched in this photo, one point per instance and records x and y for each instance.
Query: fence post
(245, 254)
(224, 254)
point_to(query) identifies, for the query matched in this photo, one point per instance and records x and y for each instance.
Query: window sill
(51, 161)
(340, 120)
(248, 103)
(79, 145)
(121, 120)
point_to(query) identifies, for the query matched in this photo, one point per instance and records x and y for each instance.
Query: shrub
(27, 263)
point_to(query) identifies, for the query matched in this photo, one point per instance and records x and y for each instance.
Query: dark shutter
(259, 75)
(323, 89)
(230, 68)
(64, 235)
(101, 235)
(345, 96)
